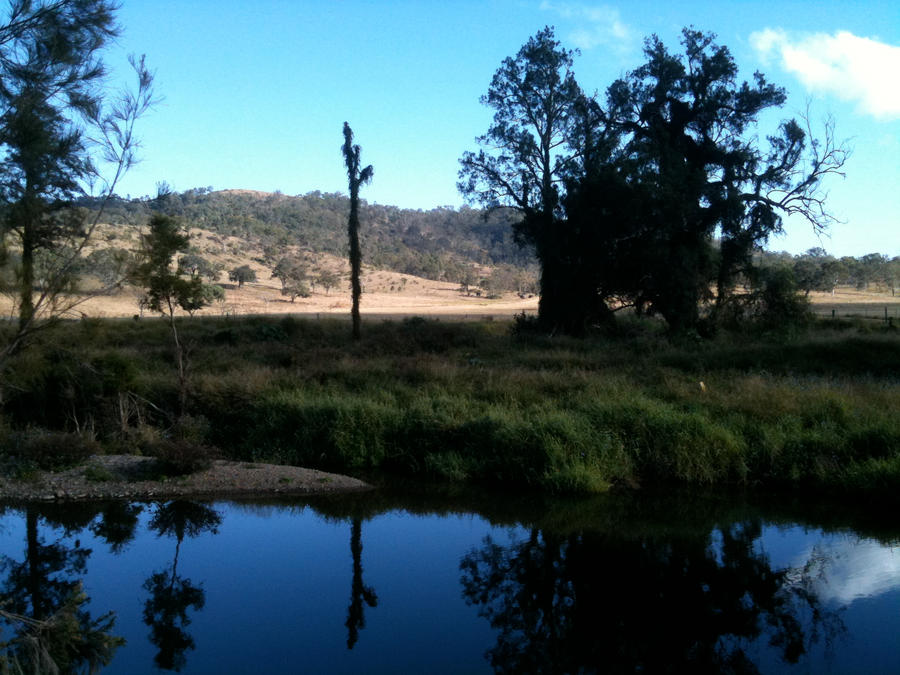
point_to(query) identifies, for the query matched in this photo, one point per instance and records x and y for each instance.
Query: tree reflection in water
(591, 601)
(43, 599)
(359, 592)
(171, 595)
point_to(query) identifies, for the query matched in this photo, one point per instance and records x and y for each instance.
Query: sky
(253, 95)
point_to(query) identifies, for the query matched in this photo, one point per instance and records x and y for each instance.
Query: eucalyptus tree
(530, 146)
(623, 201)
(357, 177)
(59, 124)
(689, 138)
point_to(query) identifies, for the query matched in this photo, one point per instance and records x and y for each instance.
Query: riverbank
(133, 477)
(475, 403)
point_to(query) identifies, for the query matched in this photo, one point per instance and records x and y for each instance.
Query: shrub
(178, 457)
(57, 450)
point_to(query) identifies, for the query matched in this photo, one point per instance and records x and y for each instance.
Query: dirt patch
(127, 477)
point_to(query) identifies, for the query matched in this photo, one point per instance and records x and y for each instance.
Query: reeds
(472, 402)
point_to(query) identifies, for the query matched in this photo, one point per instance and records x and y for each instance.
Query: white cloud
(851, 67)
(601, 25)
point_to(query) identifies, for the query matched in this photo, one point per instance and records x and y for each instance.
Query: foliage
(59, 126)
(433, 244)
(63, 642)
(198, 266)
(327, 280)
(166, 290)
(622, 202)
(293, 277)
(536, 102)
(242, 275)
(812, 408)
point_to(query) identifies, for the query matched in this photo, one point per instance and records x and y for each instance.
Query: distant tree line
(816, 270)
(439, 244)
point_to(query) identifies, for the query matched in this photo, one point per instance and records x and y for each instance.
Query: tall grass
(471, 402)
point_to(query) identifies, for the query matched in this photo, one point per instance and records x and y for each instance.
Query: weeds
(476, 403)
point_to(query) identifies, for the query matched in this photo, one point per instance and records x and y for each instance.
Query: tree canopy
(653, 198)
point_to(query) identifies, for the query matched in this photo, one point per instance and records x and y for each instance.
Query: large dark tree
(57, 127)
(356, 178)
(688, 125)
(623, 204)
(531, 144)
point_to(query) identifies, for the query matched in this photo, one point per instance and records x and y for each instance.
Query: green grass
(473, 403)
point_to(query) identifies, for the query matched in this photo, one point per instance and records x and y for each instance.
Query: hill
(442, 244)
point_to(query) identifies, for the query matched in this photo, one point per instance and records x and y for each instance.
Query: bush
(178, 457)
(56, 450)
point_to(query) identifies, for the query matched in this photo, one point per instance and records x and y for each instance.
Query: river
(391, 582)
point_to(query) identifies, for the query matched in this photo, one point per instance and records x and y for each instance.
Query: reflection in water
(360, 593)
(171, 595)
(44, 604)
(652, 589)
(856, 569)
(592, 601)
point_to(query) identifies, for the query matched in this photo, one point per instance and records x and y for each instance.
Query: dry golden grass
(385, 294)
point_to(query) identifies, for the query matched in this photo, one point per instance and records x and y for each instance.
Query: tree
(622, 202)
(327, 280)
(243, 274)
(293, 277)
(198, 266)
(360, 594)
(59, 125)
(356, 178)
(536, 102)
(697, 171)
(166, 290)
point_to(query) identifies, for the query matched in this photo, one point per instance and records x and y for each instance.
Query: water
(388, 583)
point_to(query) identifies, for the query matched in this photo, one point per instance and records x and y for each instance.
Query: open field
(385, 294)
(847, 302)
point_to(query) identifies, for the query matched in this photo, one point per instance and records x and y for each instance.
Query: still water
(390, 583)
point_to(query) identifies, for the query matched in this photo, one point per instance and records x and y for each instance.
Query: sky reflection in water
(234, 587)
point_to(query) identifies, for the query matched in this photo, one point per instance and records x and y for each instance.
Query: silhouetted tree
(685, 120)
(535, 98)
(622, 203)
(45, 602)
(356, 178)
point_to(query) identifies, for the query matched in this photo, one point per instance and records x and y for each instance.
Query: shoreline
(115, 477)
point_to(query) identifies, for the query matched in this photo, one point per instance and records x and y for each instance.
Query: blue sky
(255, 93)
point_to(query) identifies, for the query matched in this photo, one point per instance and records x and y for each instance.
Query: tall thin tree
(356, 178)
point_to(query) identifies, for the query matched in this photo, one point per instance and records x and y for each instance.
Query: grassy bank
(472, 402)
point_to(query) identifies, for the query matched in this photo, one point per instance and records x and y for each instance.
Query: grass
(473, 403)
